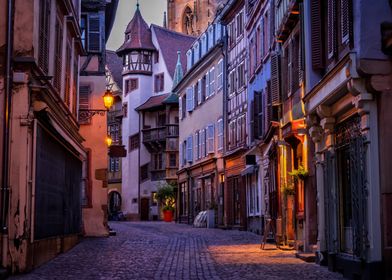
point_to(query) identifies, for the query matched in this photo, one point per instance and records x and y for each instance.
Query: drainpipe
(6, 125)
(138, 171)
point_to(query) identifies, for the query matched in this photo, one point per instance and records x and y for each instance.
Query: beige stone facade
(192, 17)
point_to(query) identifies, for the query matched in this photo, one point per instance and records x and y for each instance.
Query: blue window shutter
(199, 96)
(180, 107)
(210, 138)
(196, 145)
(207, 84)
(189, 145)
(192, 98)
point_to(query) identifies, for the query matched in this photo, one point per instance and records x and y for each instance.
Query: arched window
(188, 20)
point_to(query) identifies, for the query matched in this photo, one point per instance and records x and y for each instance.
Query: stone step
(306, 257)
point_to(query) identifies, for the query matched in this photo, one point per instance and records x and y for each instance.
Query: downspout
(224, 118)
(6, 135)
(138, 172)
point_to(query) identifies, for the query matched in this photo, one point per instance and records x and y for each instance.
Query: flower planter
(168, 216)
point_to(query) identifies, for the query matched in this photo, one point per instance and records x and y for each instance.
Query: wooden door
(144, 209)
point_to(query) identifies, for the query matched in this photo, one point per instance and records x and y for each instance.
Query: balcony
(155, 139)
(115, 116)
(286, 17)
(154, 134)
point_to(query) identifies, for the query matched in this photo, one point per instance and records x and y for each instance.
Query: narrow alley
(156, 250)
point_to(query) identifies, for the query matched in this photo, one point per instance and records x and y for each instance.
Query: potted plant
(167, 198)
(299, 174)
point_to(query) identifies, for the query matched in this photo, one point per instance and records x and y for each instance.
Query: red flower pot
(168, 215)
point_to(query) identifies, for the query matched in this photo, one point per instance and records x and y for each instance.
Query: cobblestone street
(155, 250)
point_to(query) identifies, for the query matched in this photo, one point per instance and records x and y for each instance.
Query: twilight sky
(152, 12)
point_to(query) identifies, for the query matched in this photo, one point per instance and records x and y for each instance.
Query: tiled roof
(170, 42)
(153, 102)
(138, 34)
(114, 63)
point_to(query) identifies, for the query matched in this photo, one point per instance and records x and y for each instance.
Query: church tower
(192, 17)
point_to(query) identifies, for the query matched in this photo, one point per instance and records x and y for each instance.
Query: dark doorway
(144, 209)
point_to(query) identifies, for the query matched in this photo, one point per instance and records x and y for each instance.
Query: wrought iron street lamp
(86, 114)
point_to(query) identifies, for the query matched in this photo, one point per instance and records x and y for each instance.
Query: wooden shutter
(346, 20)
(211, 138)
(67, 92)
(44, 26)
(58, 55)
(268, 104)
(331, 28)
(84, 100)
(294, 64)
(94, 33)
(252, 118)
(275, 79)
(316, 35)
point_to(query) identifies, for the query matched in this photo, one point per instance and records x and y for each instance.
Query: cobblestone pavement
(156, 250)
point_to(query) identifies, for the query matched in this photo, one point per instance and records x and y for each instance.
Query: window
(172, 160)
(195, 95)
(265, 35)
(212, 81)
(184, 152)
(131, 85)
(114, 164)
(156, 57)
(232, 35)
(159, 82)
(220, 74)
(257, 118)
(232, 86)
(114, 132)
(203, 44)
(220, 134)
(241, 75)
(232, 133)
(134, 142)
(210, 138)
(58, 54)
(94, 43)
(125, 110)
(189, 149)
(161, 121)
(183, 107)
(252, 57)
(157, 161)
(44, 26)
(240, 24)
(144, 172)
(189, 99)
(258, 51)
(331, 30)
